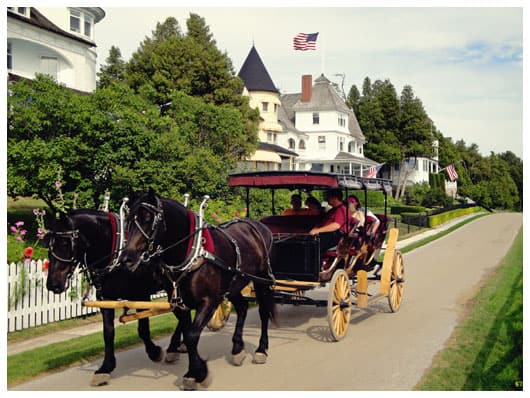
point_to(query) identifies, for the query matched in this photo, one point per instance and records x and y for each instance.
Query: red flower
(45, 265)
(28, 252)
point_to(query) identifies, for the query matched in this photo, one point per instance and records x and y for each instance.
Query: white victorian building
(311, 130)
(57, 41)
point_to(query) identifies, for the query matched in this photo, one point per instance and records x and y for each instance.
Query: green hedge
(399, 209)
(441, 218)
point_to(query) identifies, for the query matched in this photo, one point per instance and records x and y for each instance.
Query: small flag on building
(305, 41)
(451, 172)
(372, 171)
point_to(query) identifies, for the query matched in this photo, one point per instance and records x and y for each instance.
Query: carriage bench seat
(300, 224)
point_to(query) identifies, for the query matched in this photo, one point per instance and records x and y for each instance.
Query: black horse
(88, 237)
(162, 237)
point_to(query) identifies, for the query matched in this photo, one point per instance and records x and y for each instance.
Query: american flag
(305, 41)
(372, 171)
(451, 172)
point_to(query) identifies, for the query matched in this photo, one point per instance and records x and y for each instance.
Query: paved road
(382, 351)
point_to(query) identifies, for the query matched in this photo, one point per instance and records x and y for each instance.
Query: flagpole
(321, 55)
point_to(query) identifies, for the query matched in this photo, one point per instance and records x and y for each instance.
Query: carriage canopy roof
(307, 180)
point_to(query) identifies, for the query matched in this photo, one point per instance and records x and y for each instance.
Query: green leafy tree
(515, 168)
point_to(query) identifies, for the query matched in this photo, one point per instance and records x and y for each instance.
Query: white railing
(31, 304)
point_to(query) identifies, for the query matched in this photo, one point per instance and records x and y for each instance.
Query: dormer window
(342, 120)
(24, 11)
(75, 21)
(81, 23)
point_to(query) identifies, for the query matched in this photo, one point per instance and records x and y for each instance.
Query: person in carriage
(333, 226)
(371, 223)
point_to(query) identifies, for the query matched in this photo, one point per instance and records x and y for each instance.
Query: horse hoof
(188, 384)
(182, 348)
(207, 382)
(160, 356)
(237, 359)
(172, 357)
(100, 379)
(259, 358)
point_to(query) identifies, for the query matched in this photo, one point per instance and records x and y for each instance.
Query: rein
(197, 252)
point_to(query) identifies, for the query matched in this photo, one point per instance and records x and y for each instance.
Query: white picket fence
(31, 304)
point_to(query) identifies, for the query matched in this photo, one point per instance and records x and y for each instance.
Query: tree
(515, 168)
(414, 135)
(353, 99)
(113, 70)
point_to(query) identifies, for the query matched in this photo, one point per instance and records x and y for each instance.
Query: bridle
(158, 219)
(72, 236)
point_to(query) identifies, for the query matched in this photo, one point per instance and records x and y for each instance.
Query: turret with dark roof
(255, 75)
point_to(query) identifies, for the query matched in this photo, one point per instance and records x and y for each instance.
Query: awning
(265, 156)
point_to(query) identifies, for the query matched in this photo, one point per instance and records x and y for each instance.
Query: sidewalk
(97, 327)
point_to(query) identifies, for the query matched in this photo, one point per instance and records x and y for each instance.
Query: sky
(464, 63)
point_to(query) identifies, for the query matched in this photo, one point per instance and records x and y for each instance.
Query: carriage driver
(334, 223)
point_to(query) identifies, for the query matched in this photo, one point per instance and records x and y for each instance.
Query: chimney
(307, 87)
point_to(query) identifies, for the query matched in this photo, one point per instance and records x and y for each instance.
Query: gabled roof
(324, 97)
(255, 75)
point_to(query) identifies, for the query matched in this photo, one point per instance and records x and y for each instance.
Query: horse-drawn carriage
(171, 247)
(299, 265)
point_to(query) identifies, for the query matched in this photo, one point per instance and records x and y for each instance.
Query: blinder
(158, 219)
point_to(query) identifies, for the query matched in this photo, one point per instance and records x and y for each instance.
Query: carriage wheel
(339, 304)
(397, 282)
(220, 316)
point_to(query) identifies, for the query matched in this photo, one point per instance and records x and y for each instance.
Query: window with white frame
(291, 143)
(342, 120)
(321, 142)
(81, 22)
(351, 147)
(301, 144)
(24, 11)
(316, 118)
(88, 25)
(341, 144)
(9, 56)
(265, 106)
(75, 21)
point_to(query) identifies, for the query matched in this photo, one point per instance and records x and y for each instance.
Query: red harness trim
(207, 240)
(113, 224)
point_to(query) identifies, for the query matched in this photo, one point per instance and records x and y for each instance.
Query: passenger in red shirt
(334, 223)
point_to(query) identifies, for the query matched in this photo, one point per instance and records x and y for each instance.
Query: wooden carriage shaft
(143, 305)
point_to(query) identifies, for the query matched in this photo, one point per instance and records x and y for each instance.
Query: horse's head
(145, 226)
(65, 247)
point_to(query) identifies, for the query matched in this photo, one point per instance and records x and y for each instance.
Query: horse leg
(102, 375)
(265, 300)
(197, 369)
(175, 345)
(241, 307)
(154, 352)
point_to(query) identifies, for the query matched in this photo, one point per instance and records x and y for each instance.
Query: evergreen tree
(353, 99)
(113, 70)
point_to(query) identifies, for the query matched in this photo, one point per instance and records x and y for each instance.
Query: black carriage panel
(296, 257)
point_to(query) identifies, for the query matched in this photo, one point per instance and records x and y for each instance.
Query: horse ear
(151, 192)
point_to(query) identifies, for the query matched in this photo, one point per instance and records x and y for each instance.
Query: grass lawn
(485, 352)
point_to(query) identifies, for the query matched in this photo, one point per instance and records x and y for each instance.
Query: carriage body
(298, 253)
